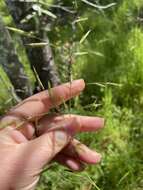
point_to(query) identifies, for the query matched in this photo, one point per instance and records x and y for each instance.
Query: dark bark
(41, 58)
(12, 65)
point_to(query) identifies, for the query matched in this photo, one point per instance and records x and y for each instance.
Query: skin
(24, 155)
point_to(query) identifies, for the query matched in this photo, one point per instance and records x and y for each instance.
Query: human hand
(23, 155)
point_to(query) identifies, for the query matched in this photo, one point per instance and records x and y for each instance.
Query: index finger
(39, 104)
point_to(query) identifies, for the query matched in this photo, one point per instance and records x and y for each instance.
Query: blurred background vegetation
(100, 41)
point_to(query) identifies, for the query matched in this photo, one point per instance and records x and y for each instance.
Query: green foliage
(6, 95)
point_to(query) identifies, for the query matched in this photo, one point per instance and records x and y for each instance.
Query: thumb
(43, 149)
(35, 155)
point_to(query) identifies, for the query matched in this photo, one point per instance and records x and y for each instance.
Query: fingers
(75, 155)
(73, 123)
(39, 104)
(28, 130)
(79, 123)
(10, 136)
(79, 151)
(69, 162)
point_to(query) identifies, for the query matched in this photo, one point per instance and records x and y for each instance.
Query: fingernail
(98, 157)
(61, 137)
(102, 122)
(78, 81)
(79, 84)
(98, 121)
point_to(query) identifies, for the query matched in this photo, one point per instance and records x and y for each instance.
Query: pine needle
(84, 37)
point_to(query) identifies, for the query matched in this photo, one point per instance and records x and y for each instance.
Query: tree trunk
(11, 64)
(40, 58)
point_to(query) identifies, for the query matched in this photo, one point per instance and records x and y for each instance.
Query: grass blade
(20, 32)
(84, 37)
(37, 45)
(38, 79)
(98, 6)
